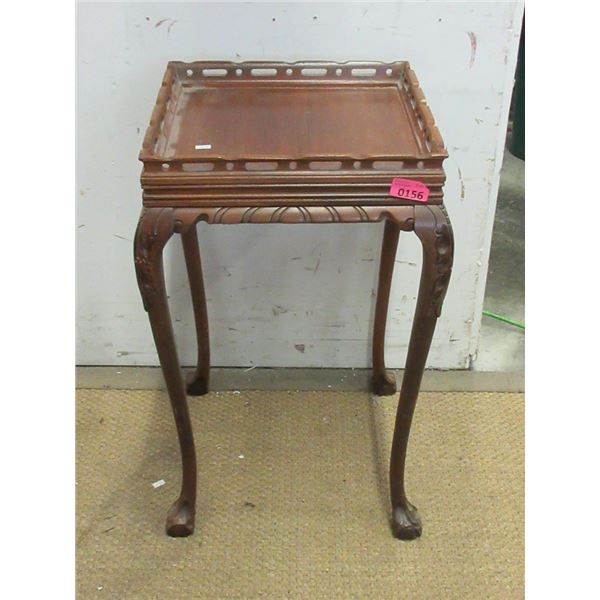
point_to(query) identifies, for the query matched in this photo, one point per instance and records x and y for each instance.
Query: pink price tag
(409, 190)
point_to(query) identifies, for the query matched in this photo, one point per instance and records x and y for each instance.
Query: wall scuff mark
(473, 39)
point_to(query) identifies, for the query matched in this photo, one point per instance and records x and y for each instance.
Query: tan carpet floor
(293, 497)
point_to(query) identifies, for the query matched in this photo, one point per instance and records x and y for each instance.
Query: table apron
(184, 218)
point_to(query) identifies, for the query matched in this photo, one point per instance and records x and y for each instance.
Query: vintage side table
(309, 142)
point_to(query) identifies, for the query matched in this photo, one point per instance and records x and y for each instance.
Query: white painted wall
(273, 287)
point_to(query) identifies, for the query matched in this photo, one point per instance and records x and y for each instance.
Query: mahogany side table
(309, 142)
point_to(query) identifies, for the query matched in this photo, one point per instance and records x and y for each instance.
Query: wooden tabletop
(224, 132)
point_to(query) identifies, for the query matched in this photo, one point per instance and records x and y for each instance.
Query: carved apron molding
(232, 215)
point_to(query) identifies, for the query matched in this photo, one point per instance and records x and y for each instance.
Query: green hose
(489, 313)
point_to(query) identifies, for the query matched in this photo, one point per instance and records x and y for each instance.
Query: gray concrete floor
(502, 346)
(236, 379)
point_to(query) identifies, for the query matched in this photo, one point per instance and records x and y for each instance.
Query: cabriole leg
(197, 384)
(384, 382)
(433, 229)
(154, 229)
